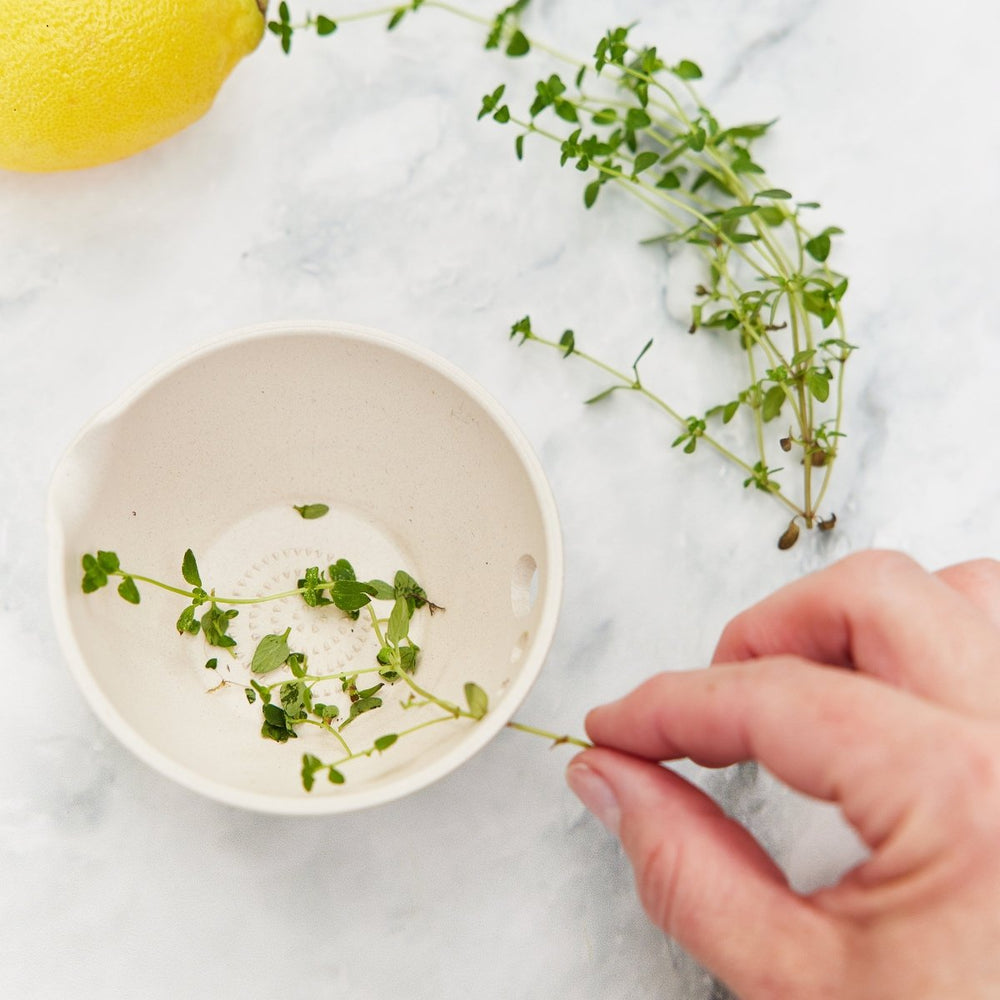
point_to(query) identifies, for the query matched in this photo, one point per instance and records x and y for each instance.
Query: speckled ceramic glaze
(421, 471)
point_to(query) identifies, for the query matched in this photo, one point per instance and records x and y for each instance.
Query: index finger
(828, 733)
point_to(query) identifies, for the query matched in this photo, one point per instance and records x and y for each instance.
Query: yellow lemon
(84, 82)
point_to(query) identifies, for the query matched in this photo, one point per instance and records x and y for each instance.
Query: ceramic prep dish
(421, 471)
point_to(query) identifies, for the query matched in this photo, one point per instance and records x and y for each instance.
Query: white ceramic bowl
(422, 471)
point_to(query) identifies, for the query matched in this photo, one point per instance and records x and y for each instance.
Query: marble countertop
(351, 181)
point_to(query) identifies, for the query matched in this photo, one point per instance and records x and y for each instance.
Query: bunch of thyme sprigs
(628, 119)
(293, 699)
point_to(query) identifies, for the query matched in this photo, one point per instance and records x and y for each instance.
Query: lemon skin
(86, 82)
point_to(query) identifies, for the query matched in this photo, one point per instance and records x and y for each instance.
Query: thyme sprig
(300, 697)
(628, 119)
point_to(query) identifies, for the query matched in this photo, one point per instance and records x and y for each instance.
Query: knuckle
(877, 564)
(986, 569)
(976, 575)
(981, 773)
(971, 782)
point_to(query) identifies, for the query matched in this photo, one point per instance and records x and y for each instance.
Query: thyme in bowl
(629, 119)
(291, 694)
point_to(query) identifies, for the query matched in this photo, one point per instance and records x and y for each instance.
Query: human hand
(872, 684)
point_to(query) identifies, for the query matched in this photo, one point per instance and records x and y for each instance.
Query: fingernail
(596, 794)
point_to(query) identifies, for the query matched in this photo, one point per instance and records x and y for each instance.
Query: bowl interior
(421, 472)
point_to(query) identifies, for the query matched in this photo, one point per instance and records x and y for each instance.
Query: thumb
(704, 880)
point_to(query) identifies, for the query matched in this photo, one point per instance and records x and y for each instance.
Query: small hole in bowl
(520, 645)
(524, 586)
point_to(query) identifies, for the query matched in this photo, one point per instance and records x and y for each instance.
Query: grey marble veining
(352, 182)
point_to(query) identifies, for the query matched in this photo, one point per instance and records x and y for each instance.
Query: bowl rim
(549, 594)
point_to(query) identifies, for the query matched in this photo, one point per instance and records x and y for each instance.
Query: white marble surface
(352, 182)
